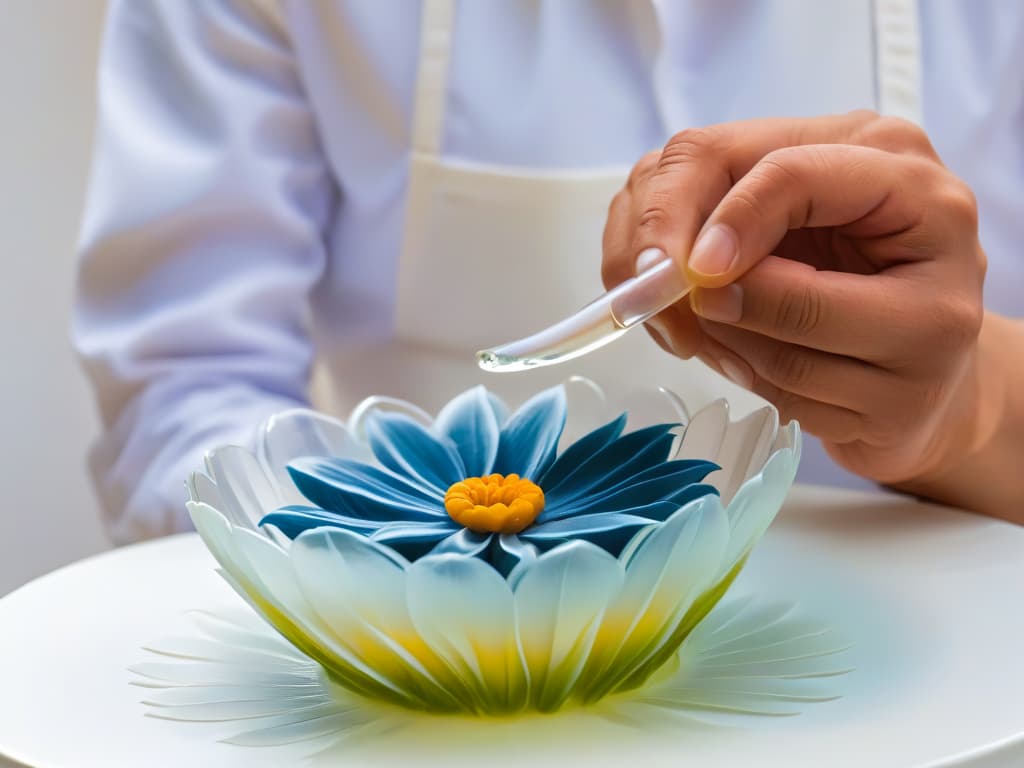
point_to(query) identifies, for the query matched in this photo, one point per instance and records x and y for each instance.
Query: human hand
(839, 275)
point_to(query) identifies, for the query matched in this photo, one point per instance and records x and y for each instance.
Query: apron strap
(432, 76)
(898, 59)
(897, 67)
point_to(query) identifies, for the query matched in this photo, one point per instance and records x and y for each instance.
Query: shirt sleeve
(202, 238)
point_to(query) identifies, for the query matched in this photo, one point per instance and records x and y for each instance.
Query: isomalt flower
(445, 630)
(480, 483)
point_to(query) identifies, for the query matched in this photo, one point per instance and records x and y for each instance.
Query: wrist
(977, 464)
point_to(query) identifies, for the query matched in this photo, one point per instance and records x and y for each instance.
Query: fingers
(878, 210)
(691, 176)
(839, 399)
(793, 188)
(910, 207)
(619, 262)
(820, 376)
(829, 421)
(698, 166)
(671, 192)
(886, 319)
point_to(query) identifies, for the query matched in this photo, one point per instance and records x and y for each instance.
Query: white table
(932, 600)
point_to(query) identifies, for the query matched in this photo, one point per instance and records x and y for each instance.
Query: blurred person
(385, 187)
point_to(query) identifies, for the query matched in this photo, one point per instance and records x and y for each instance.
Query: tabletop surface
(929, 598)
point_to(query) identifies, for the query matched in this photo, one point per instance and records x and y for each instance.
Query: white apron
(491, 253)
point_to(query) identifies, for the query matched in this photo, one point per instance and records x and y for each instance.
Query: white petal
(201, 488)
(705, 432)
(559, 602)
(358, 589)
(216, 532)
(586, 408)
(464, 610)
(648, 406)
(244, 487)
(273, 700)
(744, 450)
(357, 418)
(673, 566)
(756, 504)
(261, 572)
(279, 587)
(764, 660)
(298, 433)
(243, 631)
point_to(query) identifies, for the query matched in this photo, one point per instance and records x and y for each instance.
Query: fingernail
(715, 251)
(737, 371)
(722, 305)
(648, 258)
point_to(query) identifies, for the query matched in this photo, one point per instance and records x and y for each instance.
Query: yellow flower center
(494, 504)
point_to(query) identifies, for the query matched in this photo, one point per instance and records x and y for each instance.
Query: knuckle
(643, 169)
(800, 310)
(749, 201)
(957, 201)
(894, 134)
(778, 166)
(656, 214)
(865, 116)
(791, 368)
(779, 175)
(981, 262)
(687, 146)
(957, 322)
(654, 218)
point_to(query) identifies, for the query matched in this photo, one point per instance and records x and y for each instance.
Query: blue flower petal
(647, 493)
(609, 530)
(408, 448)
(508, 551)
(529, 440)
(471, 422)
(581, 526)
(293, 520)
(351, 487)
(463, 542)
(661, 481)
(607, 488)
(685, 471)
(500, 408)
(582, 450)
(627, 456)
(413, 539)
(640, 494)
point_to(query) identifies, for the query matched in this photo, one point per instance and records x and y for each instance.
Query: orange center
(494, 504)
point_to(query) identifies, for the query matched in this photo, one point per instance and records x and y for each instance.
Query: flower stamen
(495, 503)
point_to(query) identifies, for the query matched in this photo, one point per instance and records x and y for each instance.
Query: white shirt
(247, 192)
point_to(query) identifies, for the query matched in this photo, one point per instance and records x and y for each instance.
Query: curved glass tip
(598, 323)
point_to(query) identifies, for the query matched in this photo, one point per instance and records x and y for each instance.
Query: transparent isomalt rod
(598, 323)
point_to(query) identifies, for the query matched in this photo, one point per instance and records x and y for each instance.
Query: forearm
(203, 237)
(159, 438)
(984, 470)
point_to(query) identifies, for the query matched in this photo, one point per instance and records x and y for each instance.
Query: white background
(47, 76)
